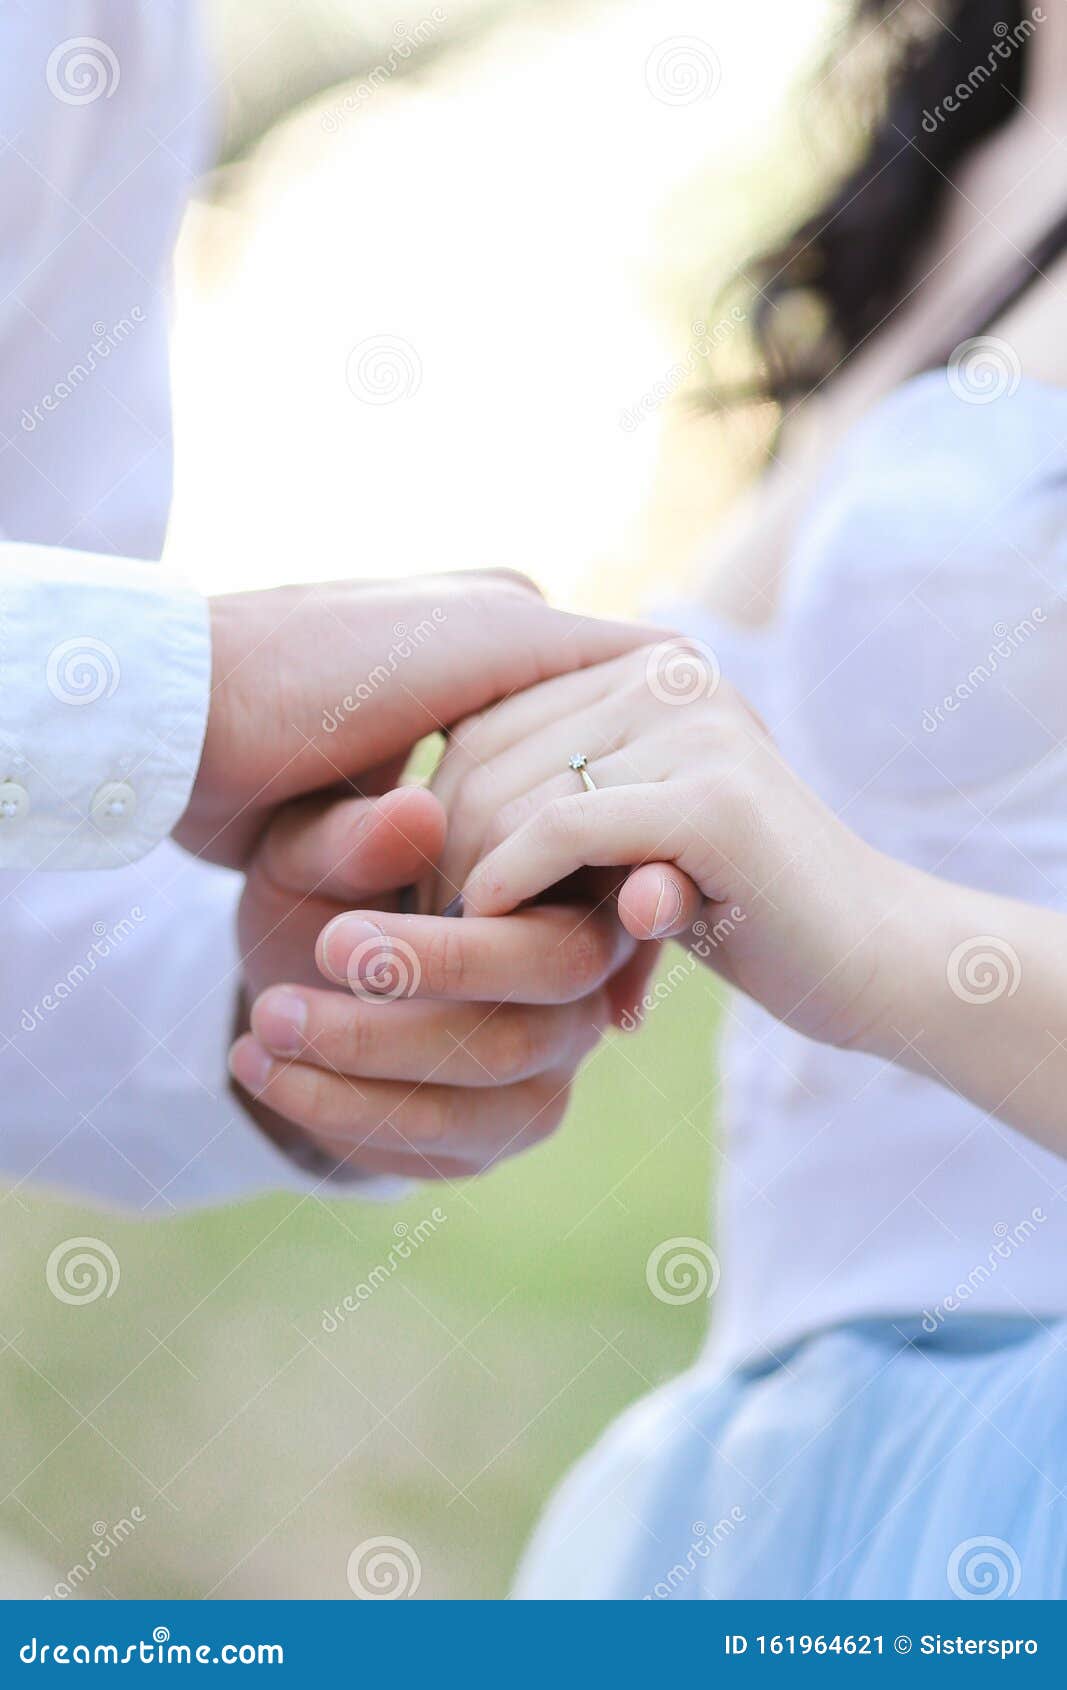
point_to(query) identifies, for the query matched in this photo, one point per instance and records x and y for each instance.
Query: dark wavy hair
(923, 82)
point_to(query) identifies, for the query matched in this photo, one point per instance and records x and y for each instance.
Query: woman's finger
(449, 1044)
(552, 954)
(486, 736)
(356, 1118)
(643, 761)
(613, 732)
(613, 828)
(658, 901)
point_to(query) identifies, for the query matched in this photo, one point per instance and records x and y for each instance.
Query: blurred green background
(261, 1449)
(526, 212)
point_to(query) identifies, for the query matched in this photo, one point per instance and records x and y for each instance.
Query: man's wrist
(223, 818)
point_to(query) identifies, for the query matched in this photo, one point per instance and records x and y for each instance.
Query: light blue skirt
(872, 1460)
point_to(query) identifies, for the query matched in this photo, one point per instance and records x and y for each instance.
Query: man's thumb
(351, 849)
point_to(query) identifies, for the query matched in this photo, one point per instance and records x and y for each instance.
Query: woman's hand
(686, 774)
(476, 1070)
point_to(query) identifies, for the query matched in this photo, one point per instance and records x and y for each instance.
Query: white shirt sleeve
(105, 677)
(115, 1024)
(118, 996)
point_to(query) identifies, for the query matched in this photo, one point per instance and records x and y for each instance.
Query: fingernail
(454, 906)
(668, 908)
(251, 1065)
(339, 939)
(278, 1020)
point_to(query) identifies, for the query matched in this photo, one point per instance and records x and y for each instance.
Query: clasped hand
(436, 1046)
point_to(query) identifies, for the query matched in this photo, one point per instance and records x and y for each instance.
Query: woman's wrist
(924, 944)
(902, 979)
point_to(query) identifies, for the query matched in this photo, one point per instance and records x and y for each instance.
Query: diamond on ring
(580, 764)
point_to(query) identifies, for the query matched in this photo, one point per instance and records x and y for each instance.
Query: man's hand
(314, 686)
(438, 1086)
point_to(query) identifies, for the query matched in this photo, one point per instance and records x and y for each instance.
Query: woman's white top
(916, 676)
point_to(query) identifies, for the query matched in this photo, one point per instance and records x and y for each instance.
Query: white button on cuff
(14, 801)
(113, 805)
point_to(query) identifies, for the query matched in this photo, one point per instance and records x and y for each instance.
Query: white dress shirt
(118, 989)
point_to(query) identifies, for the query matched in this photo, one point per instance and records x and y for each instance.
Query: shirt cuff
(105, 676)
